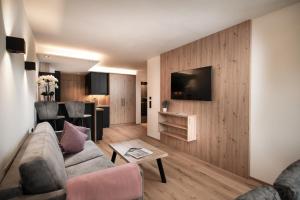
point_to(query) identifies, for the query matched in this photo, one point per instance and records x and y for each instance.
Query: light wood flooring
(187, 176)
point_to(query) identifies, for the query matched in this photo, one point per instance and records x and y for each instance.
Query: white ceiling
(128, 32)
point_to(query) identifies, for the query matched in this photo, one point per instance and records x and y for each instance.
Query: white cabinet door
(153, 83)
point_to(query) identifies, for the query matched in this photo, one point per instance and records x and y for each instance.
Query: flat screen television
(194, 84)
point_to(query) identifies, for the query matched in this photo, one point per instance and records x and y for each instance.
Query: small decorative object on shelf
(47, 85)
(165, 105)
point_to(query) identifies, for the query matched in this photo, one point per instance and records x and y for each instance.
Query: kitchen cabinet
(97, 83)
(122, 99)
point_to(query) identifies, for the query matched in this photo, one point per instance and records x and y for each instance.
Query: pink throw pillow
(73, 139)
(82, 129)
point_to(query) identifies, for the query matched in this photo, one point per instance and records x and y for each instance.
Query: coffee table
(121, 148)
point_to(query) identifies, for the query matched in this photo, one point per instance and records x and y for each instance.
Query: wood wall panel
(73, 89)
(222, 124)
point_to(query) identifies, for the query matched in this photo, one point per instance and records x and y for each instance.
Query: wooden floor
(187, 176)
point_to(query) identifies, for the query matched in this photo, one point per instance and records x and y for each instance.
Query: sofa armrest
(121, 182)
(288, 182)
(55, 195)
(263, 193)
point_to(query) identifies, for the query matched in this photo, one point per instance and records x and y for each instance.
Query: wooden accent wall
(222, 124)
(73, 89)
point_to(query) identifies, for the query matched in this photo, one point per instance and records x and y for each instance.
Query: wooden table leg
(113, 158)
(161, 171)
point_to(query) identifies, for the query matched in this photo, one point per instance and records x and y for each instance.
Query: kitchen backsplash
(98, 99)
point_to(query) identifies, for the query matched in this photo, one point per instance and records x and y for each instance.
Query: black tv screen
(194, 84)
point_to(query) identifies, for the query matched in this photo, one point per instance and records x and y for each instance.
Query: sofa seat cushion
(42, 166)
(89, 152)
(89, 166)
(260, 193)
(288, 182)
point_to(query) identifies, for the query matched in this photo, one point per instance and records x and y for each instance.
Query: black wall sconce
(15, 45)
(29, 65)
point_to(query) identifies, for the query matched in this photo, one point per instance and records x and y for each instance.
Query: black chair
(47, 111)
(75, 110)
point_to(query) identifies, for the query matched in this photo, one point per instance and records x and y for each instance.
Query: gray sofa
(40, 170)
(285, 187)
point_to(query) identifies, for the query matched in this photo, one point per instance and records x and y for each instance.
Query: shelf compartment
(174, 125)
(174, 135)
(174, 114)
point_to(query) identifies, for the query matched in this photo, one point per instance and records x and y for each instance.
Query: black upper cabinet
(97, 83)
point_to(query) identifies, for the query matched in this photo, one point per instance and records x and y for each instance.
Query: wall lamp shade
(15, 45)
(29, 65)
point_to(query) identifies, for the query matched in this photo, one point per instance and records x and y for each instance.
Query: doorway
(144, 102)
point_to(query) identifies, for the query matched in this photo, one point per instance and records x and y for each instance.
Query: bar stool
(47, 111)
(75, 110)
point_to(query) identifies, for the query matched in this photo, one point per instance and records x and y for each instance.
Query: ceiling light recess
(68, 52)
(114, 70)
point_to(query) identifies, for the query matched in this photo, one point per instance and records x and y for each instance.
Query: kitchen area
(110, 98)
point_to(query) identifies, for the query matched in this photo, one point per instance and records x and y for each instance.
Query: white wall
(141, 76)
(17, 86)
(46, 67)
(275, 93)
(153, 91)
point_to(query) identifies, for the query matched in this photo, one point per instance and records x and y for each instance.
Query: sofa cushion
(288, 182)
(60, 133)
(260, 193)
(82, 129)
(42, 166)
(85, 130)
(121, 182)
(73, 139)
(89, 166)
(89, 152)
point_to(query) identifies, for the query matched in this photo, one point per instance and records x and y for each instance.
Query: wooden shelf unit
(180, 126)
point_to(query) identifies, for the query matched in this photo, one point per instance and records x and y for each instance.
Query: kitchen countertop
(87, 102)
(100, 106)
